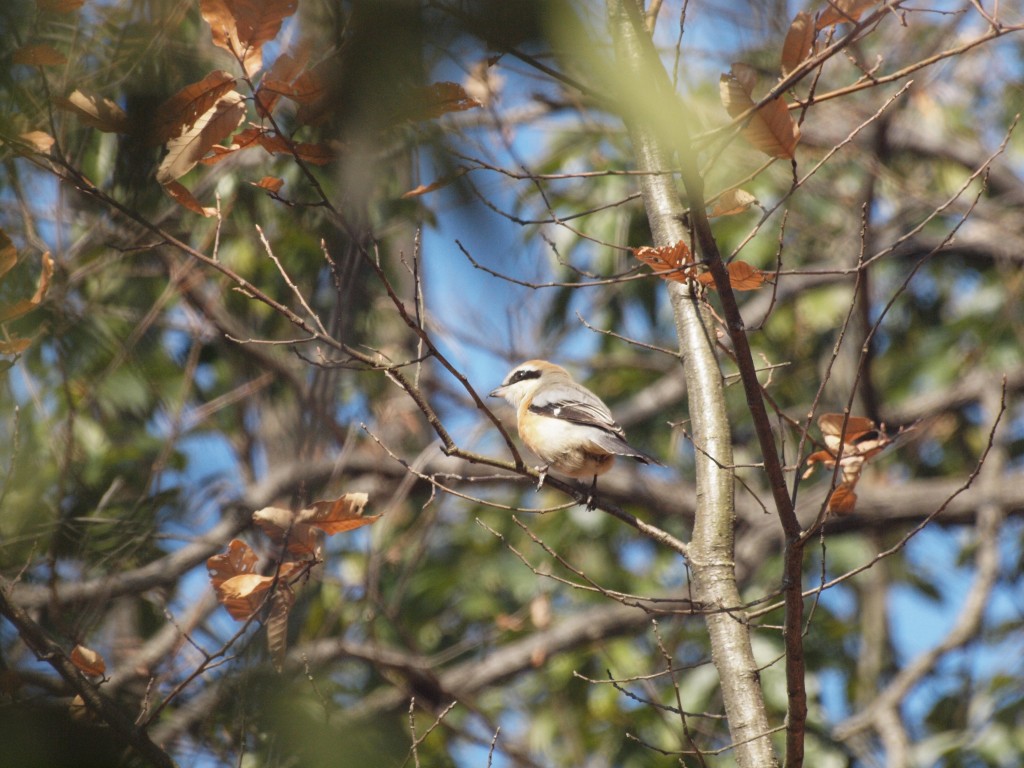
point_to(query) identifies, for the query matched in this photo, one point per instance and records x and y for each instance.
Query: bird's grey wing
(575, 405)
(585, 408)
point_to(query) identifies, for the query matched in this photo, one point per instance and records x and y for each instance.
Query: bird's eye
(523, 375)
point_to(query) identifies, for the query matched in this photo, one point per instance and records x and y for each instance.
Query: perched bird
(564, 423)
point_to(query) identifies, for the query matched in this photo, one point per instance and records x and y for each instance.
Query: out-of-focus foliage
(159, 404)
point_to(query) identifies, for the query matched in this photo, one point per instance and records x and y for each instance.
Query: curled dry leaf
(311, 91)
(670, 262)
(860, 441)
(839, 11)
(799, 42)
(95, 111)
(843, 499)
(181, 111)
(275, 144)
(278, 81)
(240, 589)
(246, 139)
(88, 661)
(39, 55)
(211, 128)
(344, 513)
(423, 189)
(238, 559)
(40, 141)
(317, 154)
(732, 202)
(769, 128)
(8, 254)
(439, 99)
(279, 524)
(244, 594)
(14, 345)
(281, 603)
(270, 183)
(19, 308)
(742, 277)
(241, 27)
(183, 197)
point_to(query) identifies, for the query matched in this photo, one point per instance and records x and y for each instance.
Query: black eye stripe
(524, 375)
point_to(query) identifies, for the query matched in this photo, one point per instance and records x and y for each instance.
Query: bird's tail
(620, 447)
(642, 457)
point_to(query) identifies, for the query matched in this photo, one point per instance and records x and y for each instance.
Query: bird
(564, 423)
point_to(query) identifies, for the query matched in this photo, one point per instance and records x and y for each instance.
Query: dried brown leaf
(344, 513)
(839, 11)
(8, 254)
(831, 424)
(277, 82)
(317, 154)
(270, 183)
(769, 128)
(441, 98)
(14, 345)
(274, 521)
(95, 111)
(238, 559)
(441, 183)
(181, 111)
(246, 139)
(732, 202)
(799, 42)
(303, 540)
(859, 442)
(281, 603)
(211, 128)
(843, 499)
(39, 55)
(312, 85)
(88, 661)
(275, 144)
(742, 277)
(19, 308)
(40, 141)
(243, 595)
(241, 27)
(183, 197)
(312, 91)
(670, 262)
(746, 75)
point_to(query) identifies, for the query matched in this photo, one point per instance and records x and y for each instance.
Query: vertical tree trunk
(712, 548)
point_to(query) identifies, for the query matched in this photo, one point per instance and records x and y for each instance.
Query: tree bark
(712, 561)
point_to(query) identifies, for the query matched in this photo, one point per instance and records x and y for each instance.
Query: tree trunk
(712, 562)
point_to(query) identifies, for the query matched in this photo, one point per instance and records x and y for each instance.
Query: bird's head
(526, 378)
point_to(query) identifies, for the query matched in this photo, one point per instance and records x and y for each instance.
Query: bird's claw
(591, 506)
(542, 477)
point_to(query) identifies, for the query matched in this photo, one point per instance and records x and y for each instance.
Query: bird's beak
(499, 392)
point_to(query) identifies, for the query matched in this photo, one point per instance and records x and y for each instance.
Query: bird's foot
(543, 476)
(591, 506)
